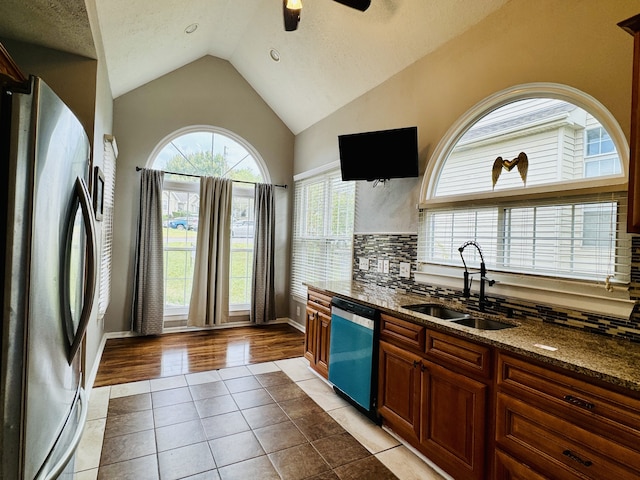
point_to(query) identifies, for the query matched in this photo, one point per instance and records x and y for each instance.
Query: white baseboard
(91, 377)
(418, 454)
(288, 321)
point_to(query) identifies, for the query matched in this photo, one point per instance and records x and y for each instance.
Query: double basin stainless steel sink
(443, 313)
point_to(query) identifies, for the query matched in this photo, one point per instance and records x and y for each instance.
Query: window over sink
(536, 174)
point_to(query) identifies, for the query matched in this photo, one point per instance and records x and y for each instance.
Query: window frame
(194, 187)
(327, 174)
(614, 299)
(617, 182)
(110, 151)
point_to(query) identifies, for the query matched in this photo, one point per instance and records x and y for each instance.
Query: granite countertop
(611, 360)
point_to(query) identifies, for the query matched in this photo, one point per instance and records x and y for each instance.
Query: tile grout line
(185, 384)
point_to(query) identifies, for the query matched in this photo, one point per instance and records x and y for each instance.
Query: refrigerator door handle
(84, 198)
(58, 468)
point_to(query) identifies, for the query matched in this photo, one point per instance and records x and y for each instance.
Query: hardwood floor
(143, 358)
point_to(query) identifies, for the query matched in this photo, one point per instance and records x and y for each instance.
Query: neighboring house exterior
(174, 202)
(552, 134)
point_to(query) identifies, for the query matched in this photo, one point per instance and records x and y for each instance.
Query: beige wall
(208, 91)
(572, 42)
(103, 125)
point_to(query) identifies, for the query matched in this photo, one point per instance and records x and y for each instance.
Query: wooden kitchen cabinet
(563, 426)
(441, 412)
(453, 414)
(311, 335)
(632, 26)
(399, 390)
(318, 331)
(480, 412)
(508, 468)
(10, 73)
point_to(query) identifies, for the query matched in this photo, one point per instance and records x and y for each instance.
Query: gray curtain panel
(148, 302)
(209, 303)
(263, 307)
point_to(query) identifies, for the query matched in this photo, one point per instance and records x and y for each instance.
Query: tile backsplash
(402, 248)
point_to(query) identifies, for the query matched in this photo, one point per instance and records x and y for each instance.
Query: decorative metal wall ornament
(521, 161)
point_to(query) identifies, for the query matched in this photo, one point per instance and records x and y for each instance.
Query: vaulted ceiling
(336, 54)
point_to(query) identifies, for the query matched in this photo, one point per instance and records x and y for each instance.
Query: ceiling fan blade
(361, 5)
(290, 16)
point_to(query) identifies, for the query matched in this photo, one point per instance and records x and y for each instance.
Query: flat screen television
(379, 155)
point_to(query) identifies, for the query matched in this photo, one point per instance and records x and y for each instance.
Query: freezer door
(56, 275)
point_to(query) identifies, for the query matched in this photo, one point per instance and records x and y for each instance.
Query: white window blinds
(578, 238)
(324, 208)
(109, 171)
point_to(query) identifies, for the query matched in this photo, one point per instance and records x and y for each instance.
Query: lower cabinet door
(454, 409)
(399, 390)
(311, 336)
(324, 334)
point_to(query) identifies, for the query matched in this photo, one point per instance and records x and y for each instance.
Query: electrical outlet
(405, 269)
(385, 266)
(298, 311)
(364, 263)
(380, 266)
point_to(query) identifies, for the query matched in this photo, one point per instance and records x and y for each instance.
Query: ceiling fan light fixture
(291, 14)
(361, 5)
(294, 4)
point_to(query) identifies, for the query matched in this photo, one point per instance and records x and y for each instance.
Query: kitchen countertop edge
(611, 360)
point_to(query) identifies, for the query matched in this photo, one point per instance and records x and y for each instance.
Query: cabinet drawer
(456, 352)
(559, 448)
(319, 300)
(400, 331)
(605, 411)
(508, 468)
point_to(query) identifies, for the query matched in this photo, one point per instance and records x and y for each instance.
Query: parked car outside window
(243, 228)
(183, 223)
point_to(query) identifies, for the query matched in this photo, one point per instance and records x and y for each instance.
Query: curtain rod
(200, 176)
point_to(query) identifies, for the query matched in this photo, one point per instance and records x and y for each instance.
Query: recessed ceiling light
(191, 28)
(274, 54)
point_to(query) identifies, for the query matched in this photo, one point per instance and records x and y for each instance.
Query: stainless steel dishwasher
(353, 354)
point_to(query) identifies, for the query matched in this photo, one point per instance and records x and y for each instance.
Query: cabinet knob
(576, 458)
(578, 402)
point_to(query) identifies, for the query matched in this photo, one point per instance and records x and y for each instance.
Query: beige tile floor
(399, 459)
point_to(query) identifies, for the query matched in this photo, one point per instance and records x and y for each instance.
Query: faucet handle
(466, 291)
(489, 281)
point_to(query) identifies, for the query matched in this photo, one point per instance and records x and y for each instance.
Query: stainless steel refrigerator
(48, 265)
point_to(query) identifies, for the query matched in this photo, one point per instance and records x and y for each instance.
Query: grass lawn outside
(179, 260)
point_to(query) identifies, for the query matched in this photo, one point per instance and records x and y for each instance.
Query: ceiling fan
(291, 10)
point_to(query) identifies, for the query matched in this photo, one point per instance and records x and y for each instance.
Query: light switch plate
(364, 263)
(380, 266)
(385, 266)
(405, 269)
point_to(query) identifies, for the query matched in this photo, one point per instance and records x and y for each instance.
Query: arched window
(536, 175)
(205, 151)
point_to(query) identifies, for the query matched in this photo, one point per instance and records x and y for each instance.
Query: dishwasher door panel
(351, 356)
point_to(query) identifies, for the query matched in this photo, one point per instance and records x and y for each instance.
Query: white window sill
(574, 295)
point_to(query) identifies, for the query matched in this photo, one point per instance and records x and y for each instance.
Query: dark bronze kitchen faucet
(466, 292)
